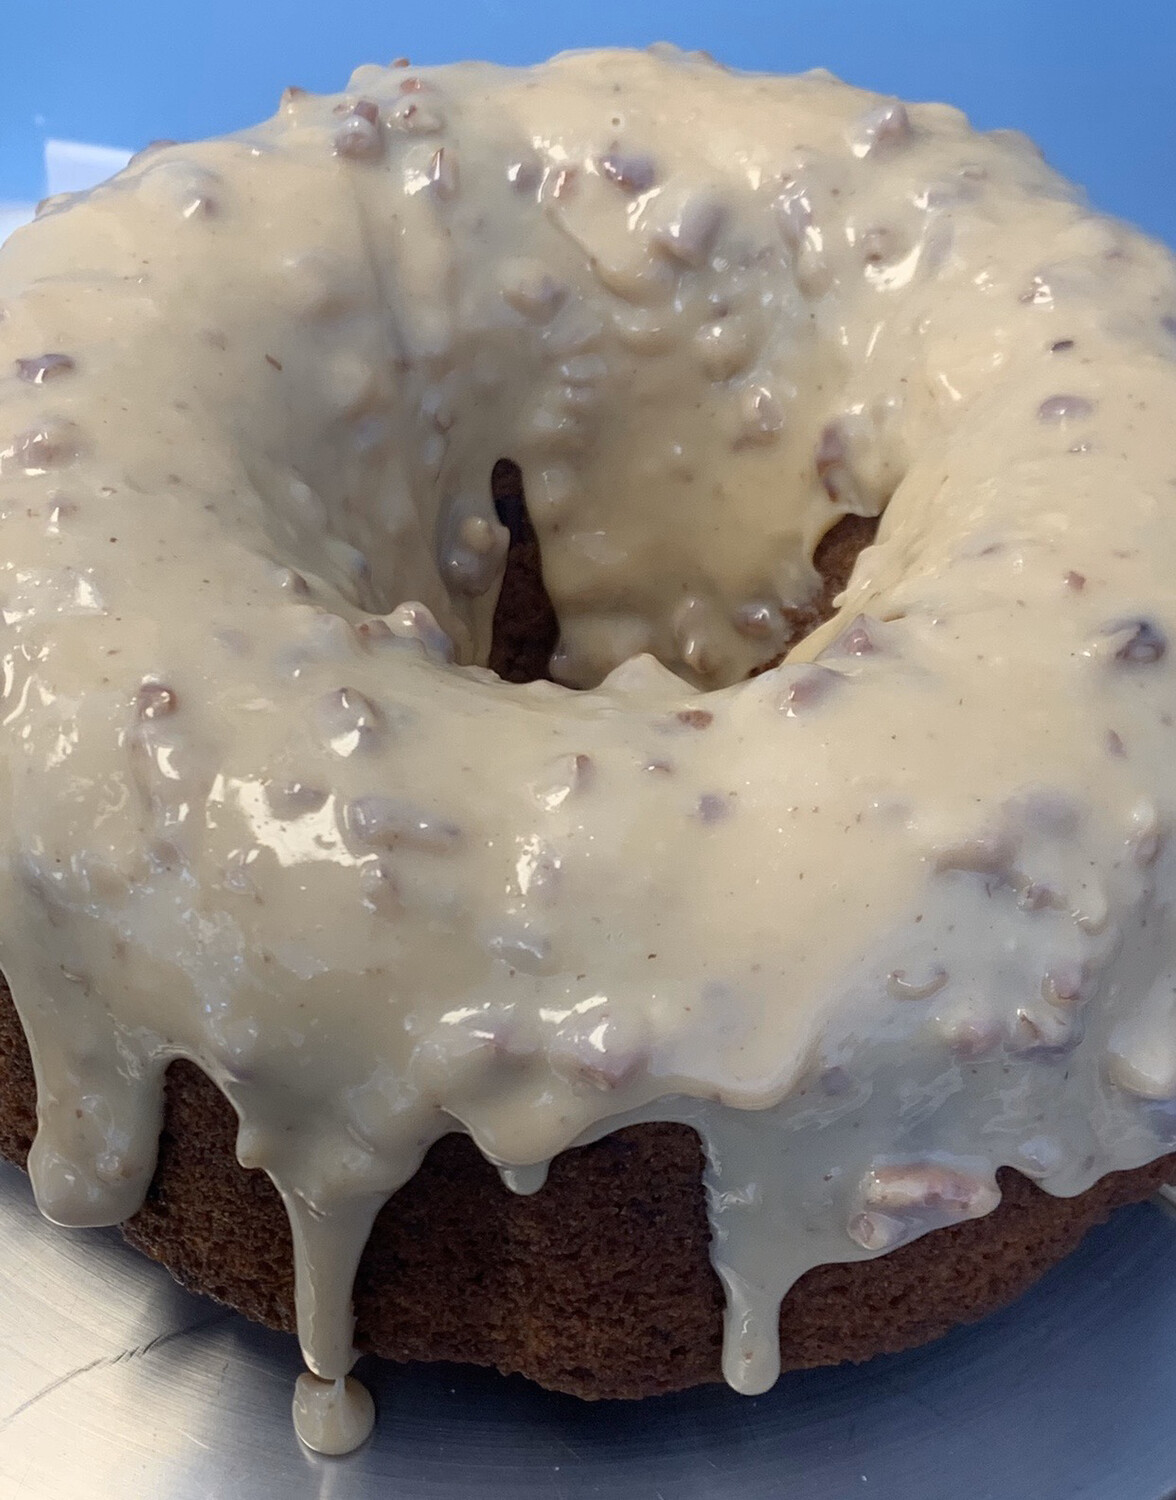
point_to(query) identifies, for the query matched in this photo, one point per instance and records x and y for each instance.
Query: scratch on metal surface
(124, 1356)
(54, 1385)
(141, 1351)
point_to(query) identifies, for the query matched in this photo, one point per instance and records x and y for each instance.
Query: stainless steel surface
(115, 1383)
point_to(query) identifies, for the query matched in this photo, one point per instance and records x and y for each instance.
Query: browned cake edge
(599, 1285)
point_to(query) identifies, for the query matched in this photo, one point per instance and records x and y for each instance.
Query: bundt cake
(780, 854)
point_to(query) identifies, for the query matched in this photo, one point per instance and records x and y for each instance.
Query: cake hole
(525, 626)
(526, 629)
(836, 553)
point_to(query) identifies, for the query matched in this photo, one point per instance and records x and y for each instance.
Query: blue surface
(1090, 80)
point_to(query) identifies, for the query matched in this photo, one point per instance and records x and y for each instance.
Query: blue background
(1091, 80)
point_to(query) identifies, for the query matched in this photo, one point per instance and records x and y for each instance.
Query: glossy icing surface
(875, 922)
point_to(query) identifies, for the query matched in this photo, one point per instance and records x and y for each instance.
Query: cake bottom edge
(600, 1285)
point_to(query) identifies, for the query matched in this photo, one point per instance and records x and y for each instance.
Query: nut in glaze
(902, 1201)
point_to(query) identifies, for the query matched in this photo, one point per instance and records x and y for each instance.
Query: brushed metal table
(117, 1385)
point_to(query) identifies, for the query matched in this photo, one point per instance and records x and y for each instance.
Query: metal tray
(116, 1383)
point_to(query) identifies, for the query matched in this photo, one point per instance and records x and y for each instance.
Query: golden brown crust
(600, 1284)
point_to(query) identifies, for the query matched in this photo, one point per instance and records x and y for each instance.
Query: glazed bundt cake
(610, 617)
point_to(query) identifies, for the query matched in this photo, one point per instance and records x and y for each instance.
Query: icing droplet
(525, 1180)
(332, 1416)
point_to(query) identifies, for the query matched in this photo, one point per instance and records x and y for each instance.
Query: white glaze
(874, 925)
(332, 1416)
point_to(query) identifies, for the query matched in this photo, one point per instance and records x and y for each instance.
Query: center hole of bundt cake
(526, 629)
(525, 626)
